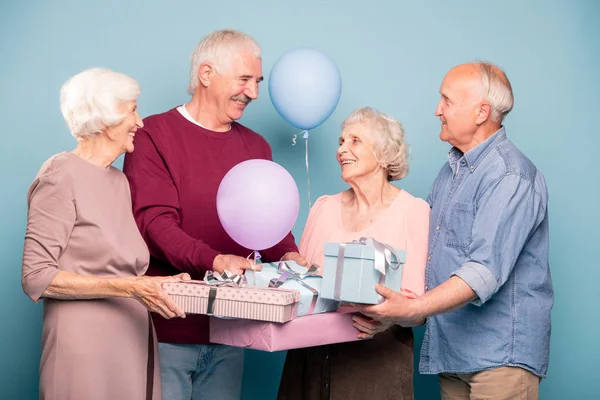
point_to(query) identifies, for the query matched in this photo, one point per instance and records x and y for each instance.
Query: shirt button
(429, 257)
(326, 385)
(437, 228)
(426, 287)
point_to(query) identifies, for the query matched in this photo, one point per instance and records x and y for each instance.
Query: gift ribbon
(305, 135)
(287, 273)
(382, 261)
(257, 257)
(215, 280)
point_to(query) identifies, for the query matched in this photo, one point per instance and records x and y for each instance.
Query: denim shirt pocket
(460, 225)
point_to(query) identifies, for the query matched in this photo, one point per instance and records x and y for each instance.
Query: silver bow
(382, 261)
(287, 273)
(215, 279)
(383, 254)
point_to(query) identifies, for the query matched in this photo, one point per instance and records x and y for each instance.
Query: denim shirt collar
(474, 156)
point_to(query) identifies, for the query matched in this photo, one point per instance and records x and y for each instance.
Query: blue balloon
(305, 87)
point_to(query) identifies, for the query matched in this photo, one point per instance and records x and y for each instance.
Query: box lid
(247, 294)
(357, 250)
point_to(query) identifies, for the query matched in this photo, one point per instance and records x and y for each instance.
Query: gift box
(308, 331)
(352, 270)
(263, 304)
(290, 275)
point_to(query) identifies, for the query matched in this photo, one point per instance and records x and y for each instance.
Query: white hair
(218, 48)
(387, 134)
(90, 100)
(497, 90)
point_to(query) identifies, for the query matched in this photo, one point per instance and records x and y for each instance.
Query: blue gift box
(309, 288)
(350, 272)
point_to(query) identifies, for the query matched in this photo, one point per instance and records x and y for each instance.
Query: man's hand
(294, 256)
(234, 264)
(396, 309)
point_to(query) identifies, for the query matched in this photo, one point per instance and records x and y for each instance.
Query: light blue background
(392, 55)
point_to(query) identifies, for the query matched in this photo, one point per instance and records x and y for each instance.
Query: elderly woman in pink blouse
(372, 154)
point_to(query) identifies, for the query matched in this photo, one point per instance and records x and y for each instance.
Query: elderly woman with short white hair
(85, 257)
(372, 153)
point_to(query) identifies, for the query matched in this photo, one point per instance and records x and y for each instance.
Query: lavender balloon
(252, 216)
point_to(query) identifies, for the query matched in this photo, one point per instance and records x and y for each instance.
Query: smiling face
(122, 135)
(232, 89)
(355, 154)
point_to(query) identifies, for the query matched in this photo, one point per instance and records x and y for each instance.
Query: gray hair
(389, 147)
(497, 90)
(89, 101)
(219, 48)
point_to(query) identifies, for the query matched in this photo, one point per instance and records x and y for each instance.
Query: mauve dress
(80, 220)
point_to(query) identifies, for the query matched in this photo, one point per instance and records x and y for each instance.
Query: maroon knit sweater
(174, 174)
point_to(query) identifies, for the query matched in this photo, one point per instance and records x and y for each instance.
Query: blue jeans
(199, 371)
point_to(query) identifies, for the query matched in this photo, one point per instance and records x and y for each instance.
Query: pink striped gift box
(249, 302)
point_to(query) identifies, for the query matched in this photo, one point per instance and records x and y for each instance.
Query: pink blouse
(404, 225)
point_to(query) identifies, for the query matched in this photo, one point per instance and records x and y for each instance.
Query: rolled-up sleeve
(508, 212)
(50, 221)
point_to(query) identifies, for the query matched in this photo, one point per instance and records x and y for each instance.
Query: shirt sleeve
(156, 209)
(508, 213)
(50, 220)
(417, 233)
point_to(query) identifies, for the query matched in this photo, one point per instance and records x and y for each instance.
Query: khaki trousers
(505, 383)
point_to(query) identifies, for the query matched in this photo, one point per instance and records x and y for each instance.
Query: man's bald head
(475, 98)
(490, 83)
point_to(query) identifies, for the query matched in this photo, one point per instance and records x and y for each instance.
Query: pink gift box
(307, 331)
(263, 304)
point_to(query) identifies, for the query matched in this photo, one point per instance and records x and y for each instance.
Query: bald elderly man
(488, 291)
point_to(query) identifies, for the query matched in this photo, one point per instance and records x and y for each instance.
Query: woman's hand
(148, 291)
(369, 327)
(294, 256)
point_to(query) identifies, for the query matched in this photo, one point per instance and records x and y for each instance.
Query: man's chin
(236, 114)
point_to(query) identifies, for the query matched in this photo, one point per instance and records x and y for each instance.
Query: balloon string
(253, 263)
(307, 173)
(304, 134)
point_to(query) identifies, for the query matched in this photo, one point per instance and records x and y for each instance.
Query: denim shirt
(489, 226)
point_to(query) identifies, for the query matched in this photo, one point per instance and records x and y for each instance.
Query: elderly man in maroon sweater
(179, 160)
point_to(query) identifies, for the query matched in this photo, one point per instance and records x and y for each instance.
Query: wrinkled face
(461, 96)
(236, 86)
(355, 154)
(122, 134)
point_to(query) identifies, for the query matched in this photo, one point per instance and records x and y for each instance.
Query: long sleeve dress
(80, 220)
